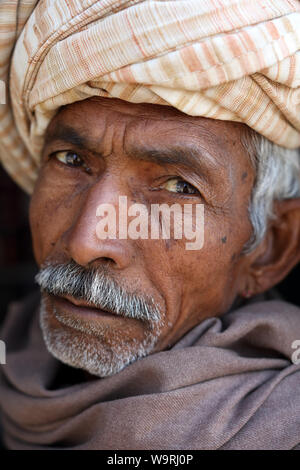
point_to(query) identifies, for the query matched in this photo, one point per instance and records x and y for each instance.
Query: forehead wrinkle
(75, 136)
(188, 154)
(188, 144)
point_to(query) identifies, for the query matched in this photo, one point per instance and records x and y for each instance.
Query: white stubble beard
(83, 347)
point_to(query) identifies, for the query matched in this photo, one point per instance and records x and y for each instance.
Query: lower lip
(73, 309)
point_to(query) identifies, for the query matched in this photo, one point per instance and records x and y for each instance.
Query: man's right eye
(69, 158)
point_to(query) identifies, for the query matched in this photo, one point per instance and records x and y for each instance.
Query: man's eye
(69, 158)
(177, 185)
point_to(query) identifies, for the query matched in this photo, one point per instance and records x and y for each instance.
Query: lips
(78, 303)
(79, 307)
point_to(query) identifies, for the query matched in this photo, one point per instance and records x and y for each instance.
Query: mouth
(79, 307)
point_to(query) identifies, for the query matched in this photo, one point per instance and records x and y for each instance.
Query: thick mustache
(97, 289)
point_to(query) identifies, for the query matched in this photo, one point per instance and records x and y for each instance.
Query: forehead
(106, 125)
(94, 115)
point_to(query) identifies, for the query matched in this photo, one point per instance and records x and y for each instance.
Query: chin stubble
(96, 348)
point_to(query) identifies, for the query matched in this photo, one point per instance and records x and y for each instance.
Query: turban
(236, 60)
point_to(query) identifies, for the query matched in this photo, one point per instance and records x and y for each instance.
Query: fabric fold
(227, 384)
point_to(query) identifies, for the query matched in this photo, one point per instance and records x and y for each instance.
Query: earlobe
(279, 252)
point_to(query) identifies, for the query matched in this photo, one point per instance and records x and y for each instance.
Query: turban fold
(236, 60)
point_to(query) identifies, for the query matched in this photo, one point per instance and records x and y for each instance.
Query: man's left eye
(69, 158)
(177, 185)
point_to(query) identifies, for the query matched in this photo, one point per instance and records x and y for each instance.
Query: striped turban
(236, 60)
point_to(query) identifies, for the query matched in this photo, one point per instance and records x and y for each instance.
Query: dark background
(17, 265)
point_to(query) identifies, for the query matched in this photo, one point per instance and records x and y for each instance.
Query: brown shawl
(228, 384)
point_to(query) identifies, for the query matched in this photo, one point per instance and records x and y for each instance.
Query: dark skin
(190, 285)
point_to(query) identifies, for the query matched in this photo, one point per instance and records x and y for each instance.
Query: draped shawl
(229, 383)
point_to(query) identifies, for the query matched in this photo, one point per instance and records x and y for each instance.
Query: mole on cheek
(168, 243)
(224, 239)
(244, 175)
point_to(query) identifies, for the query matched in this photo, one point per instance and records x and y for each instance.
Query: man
(136, 342)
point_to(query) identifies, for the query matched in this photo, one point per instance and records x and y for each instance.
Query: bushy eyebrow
(187, 155)
(66, 134)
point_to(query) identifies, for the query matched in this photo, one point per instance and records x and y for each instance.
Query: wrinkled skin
(188, 286)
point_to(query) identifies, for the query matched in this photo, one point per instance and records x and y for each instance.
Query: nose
(81, 241)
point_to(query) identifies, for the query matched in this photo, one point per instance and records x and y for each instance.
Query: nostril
(104, 261)
(107, 260)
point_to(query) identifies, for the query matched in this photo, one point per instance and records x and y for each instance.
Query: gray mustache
(95, 288)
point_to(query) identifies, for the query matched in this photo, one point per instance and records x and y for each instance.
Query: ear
(279, 251)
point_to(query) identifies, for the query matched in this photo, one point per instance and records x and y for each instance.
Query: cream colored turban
(236, 60)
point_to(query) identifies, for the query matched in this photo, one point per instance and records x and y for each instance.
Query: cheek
(45, 225)
(198, 280)
(50, 215)
(212, 273)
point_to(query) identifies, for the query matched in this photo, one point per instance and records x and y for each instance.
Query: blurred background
(17, 265)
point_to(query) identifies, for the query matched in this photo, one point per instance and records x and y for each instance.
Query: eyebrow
(66, 134)
(188, 154)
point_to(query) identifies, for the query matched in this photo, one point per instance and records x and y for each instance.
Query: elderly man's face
(99, 149)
